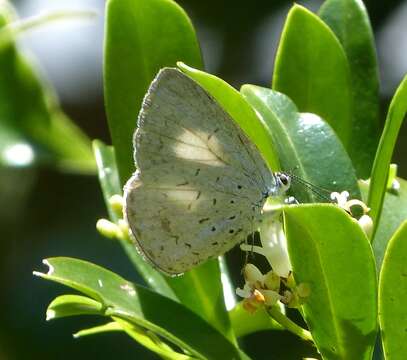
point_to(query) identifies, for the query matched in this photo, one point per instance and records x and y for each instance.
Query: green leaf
(393, 214)
(330, 252)
(312, 69)
(146, 338)
(349, 20)
(378, 182)
(393, 297)
(240, 111)
(109, 327)
(71, 305)
(201, 291)
(207, 297)
(142, 307)
(149, 340)
(141, 37)
(29, 110)
(302, 142)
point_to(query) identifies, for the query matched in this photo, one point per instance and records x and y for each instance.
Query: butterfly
(200, 183)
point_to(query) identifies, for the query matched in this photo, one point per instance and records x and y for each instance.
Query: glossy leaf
(393, 297)
(135, 304)
(30, 114)
(330, 252)
(349, 20)
(378, 183)
(206, 298)
(71, 305)
(240, 111)
(141, 37)
(302, 141)
(312, 69)
(393, 214)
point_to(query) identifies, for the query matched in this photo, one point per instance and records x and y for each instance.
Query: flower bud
(253, 276)
(270, 297)
(108, 229)
(272, 281)
(366, 223)
(116, 203)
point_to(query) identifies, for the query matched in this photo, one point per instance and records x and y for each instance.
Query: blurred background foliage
(46, 210)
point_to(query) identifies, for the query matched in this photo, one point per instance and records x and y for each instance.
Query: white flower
(274, 244)
(340, 198)
(365, 221)
(255, 293)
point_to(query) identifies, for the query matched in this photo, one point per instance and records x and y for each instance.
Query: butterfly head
(283, 182)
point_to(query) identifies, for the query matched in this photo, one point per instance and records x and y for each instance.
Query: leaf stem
(288, 324)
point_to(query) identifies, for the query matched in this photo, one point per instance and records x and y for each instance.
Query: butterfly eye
(285, 180)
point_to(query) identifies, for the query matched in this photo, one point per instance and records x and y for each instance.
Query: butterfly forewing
(200, 182)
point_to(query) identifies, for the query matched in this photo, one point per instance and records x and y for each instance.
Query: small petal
(253, 276)
(275, 245)
(252, 303)
(270, 297)
(272, 281)
(246, 292)
(340, 198)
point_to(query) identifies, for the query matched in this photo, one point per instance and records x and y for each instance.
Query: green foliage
(307, 54)
(339, 268)
(393, 296)
(395, 116)
(30, 115)
(141, 37)
(319, 121)
(343, 17)
(394, 212)
(116, 297)
(301, 140)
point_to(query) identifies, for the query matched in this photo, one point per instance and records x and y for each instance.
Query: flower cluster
(270, 288)
(111, 230)
(277, 284)
(365, 221)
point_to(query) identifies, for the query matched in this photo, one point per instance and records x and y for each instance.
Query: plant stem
(288, 324)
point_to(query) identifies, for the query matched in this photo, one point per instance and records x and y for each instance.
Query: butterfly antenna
(317, 190)
(320, 188)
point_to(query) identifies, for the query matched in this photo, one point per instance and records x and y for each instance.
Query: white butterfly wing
(200, 182)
